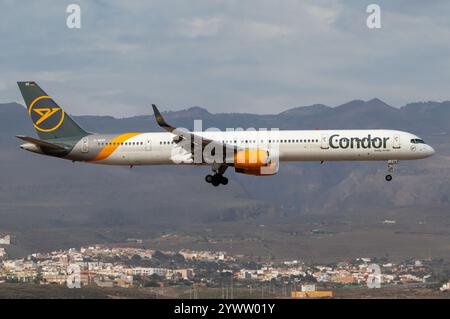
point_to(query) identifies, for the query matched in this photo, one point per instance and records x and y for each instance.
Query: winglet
(160, 120)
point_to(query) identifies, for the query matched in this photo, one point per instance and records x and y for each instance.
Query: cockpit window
(417, 141)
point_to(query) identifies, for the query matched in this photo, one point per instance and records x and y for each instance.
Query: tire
(215, 182)
(209, 178)
(224, 180)
(388, 177)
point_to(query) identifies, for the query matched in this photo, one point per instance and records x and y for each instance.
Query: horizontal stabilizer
(41, 143)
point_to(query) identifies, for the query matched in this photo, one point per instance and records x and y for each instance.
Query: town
(127, 267)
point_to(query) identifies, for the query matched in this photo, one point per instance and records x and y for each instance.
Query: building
(312, 294)
(124, 281)
(5, 240)
(343, 277)
(445, 287)
(309, 287)
(16, 265)
(58, 279)
(148, 271)
(185, 273)
(104, 282)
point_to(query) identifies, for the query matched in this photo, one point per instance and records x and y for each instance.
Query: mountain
(45, 195)
(306, 110)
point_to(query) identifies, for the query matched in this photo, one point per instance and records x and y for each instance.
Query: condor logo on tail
(46, 119)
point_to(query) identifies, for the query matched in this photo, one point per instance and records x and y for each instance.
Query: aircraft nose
(429, 151)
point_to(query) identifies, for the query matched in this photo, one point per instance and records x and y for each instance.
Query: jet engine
(255, 162)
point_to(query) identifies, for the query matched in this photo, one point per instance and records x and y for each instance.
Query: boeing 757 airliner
(249, 152)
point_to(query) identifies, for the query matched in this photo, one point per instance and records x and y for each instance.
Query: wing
(195, 138)
(271, 163)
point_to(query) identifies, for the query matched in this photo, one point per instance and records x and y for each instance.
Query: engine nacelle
(255, 162)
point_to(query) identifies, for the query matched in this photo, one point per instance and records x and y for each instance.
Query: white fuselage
(290, 145)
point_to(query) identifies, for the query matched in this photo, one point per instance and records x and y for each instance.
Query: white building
(5, 240)
(16, 265)
(310, 287)
(445, 287)
(148, 271)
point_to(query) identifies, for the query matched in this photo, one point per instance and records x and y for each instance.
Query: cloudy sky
(261, 56)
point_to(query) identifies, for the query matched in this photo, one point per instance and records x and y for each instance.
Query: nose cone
(429, 151)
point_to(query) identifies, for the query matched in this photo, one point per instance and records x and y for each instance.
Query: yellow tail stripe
(113, 145)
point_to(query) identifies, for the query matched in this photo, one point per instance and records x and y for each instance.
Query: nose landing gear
(391, 165)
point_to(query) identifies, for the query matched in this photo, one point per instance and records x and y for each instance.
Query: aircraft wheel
(224, 180)
(215, 181)
(209, 178)
(388, 177)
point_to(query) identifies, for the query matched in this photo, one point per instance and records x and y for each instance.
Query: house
(5, 240)
(124, 281)
(185, 273)
(445, 287)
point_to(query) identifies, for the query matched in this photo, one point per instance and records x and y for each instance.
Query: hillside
(48, 197)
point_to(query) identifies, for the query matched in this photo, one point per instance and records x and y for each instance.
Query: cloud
(200, 27)
(229, 56)
(266, 31)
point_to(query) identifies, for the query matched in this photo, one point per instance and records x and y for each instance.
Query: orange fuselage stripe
(113, 145)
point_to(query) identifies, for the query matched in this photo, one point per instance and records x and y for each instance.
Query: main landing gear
(218, 177)
(391, 164)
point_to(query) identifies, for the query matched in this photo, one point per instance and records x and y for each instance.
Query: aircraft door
(148, 145)
(85, 145)
(396, 142)
(324, 142)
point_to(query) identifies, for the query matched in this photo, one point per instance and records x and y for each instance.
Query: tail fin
(49, 120)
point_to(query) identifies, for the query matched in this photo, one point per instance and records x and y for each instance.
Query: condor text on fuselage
(336, 141)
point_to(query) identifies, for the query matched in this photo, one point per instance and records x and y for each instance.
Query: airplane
(249, 152)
